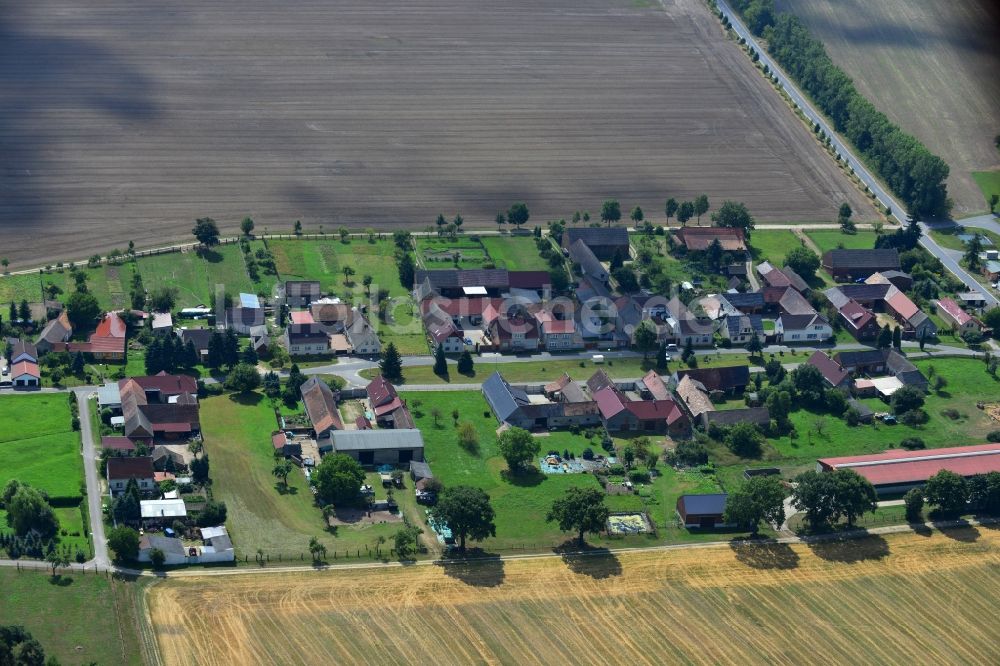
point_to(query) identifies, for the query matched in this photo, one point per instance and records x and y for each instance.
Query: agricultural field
(196, 275)
(44, 450)
(390, 139)
(723, 604)
(830, 239)
(97, 622)
(261, 514)
(324, 260)
(915, 61)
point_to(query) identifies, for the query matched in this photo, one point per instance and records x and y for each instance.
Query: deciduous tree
(580, 510)
(467, 512)
(518, 447)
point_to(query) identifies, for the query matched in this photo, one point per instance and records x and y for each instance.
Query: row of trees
(912, 172)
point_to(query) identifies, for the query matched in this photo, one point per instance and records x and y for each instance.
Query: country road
(94, 495)
(845, 151)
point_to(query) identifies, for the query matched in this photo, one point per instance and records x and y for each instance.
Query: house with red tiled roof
(621, 414)
(834, 373)
(916, 323)
(321, 408)
(158, 407)
(107, 343)
(513, 334)
(25, 374)
(557, 334)
(858, 320)
(960, 320)
(389, 409)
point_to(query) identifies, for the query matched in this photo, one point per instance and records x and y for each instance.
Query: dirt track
(897, 599)
(126, 120)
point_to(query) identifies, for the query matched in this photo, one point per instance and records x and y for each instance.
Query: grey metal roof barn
(372, 440)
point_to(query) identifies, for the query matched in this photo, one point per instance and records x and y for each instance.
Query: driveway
(94, 496)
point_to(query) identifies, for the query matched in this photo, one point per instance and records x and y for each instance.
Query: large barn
(897, 471)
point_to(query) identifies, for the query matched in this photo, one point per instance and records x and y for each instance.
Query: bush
(913, 443)
(616, 470)
(993, 436)
(638, 476)
(914, 501)
(689, 453)
(951, 413)
(588, 453)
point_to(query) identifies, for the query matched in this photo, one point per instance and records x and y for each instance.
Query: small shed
(865, 413)
(704, 511)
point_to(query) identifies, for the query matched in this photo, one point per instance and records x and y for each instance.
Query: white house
(801, 328)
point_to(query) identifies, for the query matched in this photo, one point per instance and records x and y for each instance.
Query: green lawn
(38, 445)
(76, 619)
(521, 502)
(547, 371)
(195, 275)
(831, 239)
(989, 183)
(774, 246)
(323, 260)
(19, 287)
(948, 238)
(404, 328)
(437, 252)
(515, 253)
(109, 284)
(237, 432)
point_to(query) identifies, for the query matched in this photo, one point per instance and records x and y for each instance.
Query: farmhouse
(300, 293)
(740, 329)
(603, 242)
(897, 470)
(23, 350)
(848, 265)
(590, 265)
(704, 511)
(122, 470)
(698, 239)
(389, 409)
(304, 339)
(172, 549)
(513, 334)
(899, 279)
(858, 320)
(730, 379)
(321, 408)
(567, 406)
(833, 373)
(694, 397)
(960, 320)
(120, 445)
(621, 414)
(380, 447)
(875, 362)
(199, 338)
(162, 406)
(216, 545)
(56, 331)
(781, 277)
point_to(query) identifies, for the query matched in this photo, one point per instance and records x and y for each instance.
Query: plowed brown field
(899, 599)
(128, 119)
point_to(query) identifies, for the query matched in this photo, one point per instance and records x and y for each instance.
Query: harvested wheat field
(125, 119)
(902, 599)
(931, 66)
